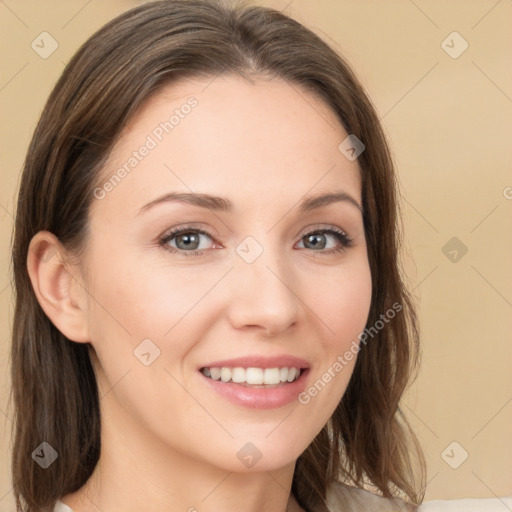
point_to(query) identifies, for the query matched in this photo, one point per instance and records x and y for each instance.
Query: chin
(264, 453)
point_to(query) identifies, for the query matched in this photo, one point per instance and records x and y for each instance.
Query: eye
(189, 241)
(332, 239)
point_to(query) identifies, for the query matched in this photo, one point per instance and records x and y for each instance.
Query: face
(208, 255)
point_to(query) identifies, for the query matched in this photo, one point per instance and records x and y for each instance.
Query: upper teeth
(253, 375)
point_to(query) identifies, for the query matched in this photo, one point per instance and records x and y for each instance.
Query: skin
(168, 441)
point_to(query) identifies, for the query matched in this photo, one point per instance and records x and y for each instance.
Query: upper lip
(259, 362)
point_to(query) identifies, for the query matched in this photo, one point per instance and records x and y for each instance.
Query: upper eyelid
(328, 228)
(184, 229)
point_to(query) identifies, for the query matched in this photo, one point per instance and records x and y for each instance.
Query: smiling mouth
(252, 376)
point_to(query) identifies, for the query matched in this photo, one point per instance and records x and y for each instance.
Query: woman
(209, 308)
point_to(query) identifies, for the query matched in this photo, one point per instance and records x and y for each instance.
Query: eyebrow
(222, 204)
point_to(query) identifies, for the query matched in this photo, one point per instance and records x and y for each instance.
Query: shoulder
(353, 499)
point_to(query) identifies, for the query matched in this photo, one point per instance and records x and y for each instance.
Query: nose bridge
(263, 293)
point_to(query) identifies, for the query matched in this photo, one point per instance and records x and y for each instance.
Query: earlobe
(57, 289)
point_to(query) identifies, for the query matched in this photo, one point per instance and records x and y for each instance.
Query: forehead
(265, 140)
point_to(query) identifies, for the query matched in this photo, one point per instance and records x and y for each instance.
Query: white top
(60, 507)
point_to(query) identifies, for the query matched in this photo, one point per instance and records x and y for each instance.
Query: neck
(136, 473)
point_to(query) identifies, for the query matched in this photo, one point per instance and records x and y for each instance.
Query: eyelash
(345, 241)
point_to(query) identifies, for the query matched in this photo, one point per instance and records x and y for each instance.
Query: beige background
(450, 124)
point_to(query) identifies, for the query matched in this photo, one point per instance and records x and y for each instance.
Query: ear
(57, 286)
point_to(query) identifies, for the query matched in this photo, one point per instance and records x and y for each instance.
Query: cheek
(343, 308)
(132, 303)
(145, 301)
(343, 305)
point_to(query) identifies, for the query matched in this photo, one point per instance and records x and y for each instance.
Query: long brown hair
(54, 391)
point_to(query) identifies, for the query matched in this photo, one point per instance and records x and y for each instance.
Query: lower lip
(260, 398)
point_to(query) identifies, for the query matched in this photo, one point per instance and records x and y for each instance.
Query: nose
(263, 295)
